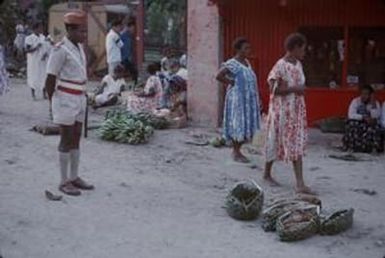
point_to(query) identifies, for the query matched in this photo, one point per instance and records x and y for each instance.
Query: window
(367, 56)
(324, 56)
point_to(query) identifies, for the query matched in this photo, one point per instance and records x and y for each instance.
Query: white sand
(164, 199)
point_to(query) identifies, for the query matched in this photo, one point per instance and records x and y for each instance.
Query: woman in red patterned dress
(286, 134)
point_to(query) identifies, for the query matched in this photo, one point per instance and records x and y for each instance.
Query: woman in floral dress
(242, 108)
(286, 124)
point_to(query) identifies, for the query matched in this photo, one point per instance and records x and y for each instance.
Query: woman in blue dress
(242, 106)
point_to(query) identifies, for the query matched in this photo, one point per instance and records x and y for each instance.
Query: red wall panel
(266, 23)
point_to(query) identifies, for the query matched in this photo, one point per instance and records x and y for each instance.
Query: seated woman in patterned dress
(147, 100)
(363, 127)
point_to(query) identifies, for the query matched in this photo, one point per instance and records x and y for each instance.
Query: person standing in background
(128, 54)
(19, 40)
(286, 125)
(37, 54)
(114, 45)
(242, 105)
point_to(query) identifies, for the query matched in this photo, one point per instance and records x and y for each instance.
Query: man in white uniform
(114, 45)
(37, 53)
(66, 86)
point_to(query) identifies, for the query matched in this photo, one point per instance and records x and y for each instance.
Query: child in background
(112, 87)
(149, 99)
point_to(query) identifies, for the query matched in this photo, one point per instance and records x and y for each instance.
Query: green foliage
(159, 12)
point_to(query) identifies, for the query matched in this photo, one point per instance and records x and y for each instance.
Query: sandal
(69, 189)
(81, 184)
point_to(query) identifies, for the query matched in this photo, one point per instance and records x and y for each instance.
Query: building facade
(346, 49)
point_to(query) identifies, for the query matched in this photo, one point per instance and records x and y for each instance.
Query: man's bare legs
(67, 139)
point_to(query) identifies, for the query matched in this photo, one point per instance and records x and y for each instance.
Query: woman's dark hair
(153, 68)
(239, 42)
(295, 40)
(368, 88)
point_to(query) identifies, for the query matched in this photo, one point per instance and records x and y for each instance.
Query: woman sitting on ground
(148, 99)
(112, 87)
(177, 89)
(363, 129)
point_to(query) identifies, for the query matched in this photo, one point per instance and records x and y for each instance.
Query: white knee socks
(74, 157)
(64, 158)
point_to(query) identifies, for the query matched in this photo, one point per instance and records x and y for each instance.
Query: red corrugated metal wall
(266, 23)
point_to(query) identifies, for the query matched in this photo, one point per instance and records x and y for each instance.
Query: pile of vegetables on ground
(126, 127)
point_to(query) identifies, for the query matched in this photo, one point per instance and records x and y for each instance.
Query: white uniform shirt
(36, 67)
(112, 86)
(68, 62)
(375, 112)
(113, 46)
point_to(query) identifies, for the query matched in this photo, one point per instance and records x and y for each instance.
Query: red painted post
(140, 35)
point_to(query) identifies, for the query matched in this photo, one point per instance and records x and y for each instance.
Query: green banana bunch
(123, 127)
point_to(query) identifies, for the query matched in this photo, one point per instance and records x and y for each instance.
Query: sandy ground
(165, 199)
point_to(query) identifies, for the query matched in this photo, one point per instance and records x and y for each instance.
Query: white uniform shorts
(68, 108)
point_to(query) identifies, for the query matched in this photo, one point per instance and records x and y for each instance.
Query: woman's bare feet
(305, 190)
(239, 157)
(271, 181)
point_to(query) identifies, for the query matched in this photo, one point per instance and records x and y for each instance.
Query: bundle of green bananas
(146, 118)
(124, 129)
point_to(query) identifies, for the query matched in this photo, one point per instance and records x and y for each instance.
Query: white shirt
(68, 62)
(375, 112)
(113, 46)
(112, 86)
(36, 67)
(183, 73)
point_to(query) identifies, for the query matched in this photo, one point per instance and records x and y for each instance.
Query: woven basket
(244, 201)
(277, 209)
(298, 224)
(337, 222)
